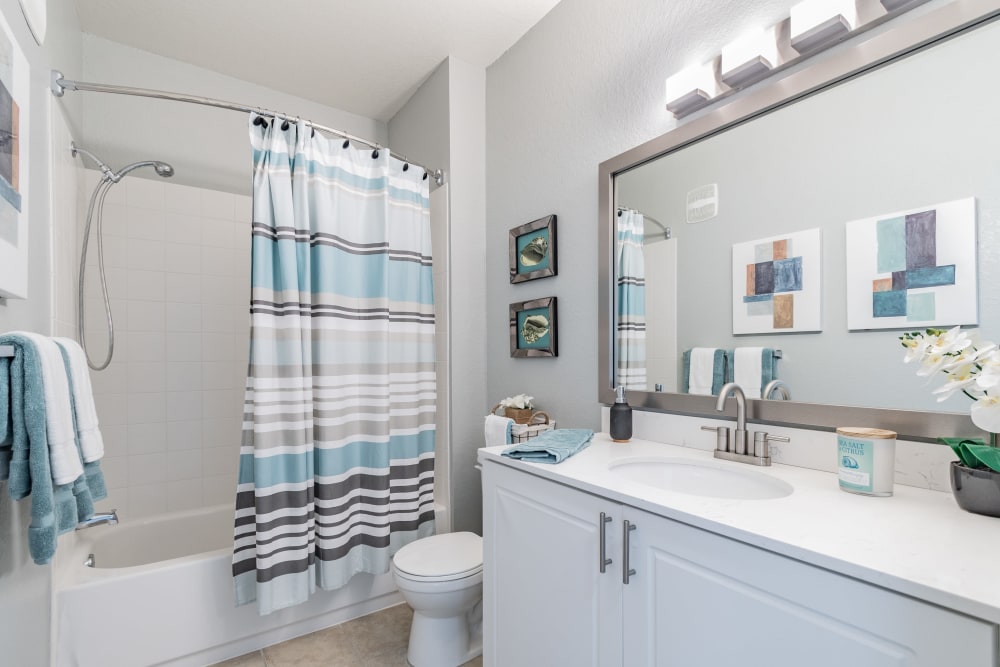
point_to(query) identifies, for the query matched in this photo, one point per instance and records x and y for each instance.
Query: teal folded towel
(721, 363)
(55, 509)
(551, 446)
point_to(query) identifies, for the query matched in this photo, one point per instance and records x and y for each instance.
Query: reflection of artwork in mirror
(776, 284)
(533, 328)
(532, 250)
(914, 268)
(14, 133)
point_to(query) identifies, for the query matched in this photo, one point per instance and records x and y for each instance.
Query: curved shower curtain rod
(666, 230)
(59, 85)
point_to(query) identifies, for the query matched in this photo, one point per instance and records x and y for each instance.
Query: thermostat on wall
(703, 203)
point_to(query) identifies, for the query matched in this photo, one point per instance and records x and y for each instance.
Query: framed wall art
(913, 268)
(533, 328)
(532, 250)
(777, 284)
(14, 91)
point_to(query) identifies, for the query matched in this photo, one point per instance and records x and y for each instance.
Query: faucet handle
(721, 437)
(762, 443)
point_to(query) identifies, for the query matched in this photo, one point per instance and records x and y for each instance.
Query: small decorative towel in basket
(538, 422)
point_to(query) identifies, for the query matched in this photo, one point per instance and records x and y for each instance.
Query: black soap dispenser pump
(621, 417)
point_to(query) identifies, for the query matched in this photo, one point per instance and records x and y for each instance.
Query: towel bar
(6, 350)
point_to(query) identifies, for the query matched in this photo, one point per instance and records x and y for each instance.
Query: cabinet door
(545, 602)
(700, 600)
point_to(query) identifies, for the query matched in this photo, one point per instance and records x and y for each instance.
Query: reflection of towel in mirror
(704, 370)
(753, 368)
(498, 430)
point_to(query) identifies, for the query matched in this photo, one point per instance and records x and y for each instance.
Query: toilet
(441, 578)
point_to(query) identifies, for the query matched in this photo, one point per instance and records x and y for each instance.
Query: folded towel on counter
(55, 508)
(63, 455)
(84, 409)
(705, 370)
(753, 368)
(498, 430)
(551, 446)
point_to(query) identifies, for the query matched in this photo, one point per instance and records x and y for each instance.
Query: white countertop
(917, 542)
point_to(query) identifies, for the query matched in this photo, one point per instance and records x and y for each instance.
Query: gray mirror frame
(854, 60)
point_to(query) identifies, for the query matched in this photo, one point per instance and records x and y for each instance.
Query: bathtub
(161, 593)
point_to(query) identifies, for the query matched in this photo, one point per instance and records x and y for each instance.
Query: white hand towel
(63, 455)
(498, 430)
(748, 370)
(91, 441)
(701, 371)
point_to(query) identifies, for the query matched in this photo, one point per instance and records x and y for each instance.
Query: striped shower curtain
(630, 301)
(337, 458)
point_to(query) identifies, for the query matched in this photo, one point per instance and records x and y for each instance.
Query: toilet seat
(446, 557)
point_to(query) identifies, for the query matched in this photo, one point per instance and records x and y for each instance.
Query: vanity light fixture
(818, 23)
(893, 5)
(693, 87)
(750, 58)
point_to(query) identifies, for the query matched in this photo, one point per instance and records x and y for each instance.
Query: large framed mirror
(902, 121)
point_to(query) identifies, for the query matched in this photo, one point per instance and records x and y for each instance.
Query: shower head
(161, 168)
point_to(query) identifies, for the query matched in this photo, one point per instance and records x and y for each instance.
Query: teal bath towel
(55, 509)
(552, 446)
(722, 362)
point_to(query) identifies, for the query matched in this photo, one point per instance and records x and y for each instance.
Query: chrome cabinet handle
(627, 570)
(604, 560)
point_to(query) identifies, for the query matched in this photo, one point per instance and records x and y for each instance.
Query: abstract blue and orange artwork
(923, 272)
(780, 292)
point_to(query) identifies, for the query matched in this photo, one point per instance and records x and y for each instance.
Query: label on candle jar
(866, 460)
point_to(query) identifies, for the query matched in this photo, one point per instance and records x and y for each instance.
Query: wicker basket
(523, 416)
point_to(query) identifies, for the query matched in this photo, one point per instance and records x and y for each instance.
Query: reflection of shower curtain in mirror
(337, 459)
(630, 330)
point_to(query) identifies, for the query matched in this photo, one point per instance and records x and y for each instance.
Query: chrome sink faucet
(780, 387)
(739, 444)
(739, 448)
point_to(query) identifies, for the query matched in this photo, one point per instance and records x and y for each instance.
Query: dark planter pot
(976, 490)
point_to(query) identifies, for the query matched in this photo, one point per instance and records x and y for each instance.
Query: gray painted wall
(26, 588)
(583, 85)
(207, 146)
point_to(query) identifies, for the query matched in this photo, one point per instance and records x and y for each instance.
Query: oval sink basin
(700, 478)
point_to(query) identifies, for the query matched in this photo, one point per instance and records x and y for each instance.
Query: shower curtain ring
(375, 152)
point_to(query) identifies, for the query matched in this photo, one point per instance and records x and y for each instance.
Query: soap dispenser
(621, 417)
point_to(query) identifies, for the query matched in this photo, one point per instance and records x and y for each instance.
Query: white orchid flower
(915, 348)
(963, 379)
(989, 373)
(952, 340)
(985, 413)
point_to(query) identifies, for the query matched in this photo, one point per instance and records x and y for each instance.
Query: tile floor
(376, 640)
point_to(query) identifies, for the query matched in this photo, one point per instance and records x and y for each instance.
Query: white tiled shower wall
(177, 261)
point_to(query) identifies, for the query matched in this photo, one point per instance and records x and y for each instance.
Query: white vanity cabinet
(696, 599)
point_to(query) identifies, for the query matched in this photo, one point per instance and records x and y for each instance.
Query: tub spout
(110, 519)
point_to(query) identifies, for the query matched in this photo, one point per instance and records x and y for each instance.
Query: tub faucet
(780, 387)
(110, 519)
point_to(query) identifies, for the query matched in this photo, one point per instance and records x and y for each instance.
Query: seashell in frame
(534, 328)
(535, 251)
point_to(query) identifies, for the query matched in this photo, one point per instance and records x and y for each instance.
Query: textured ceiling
(362, 56)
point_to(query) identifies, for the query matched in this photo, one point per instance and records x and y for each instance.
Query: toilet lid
(451, 555)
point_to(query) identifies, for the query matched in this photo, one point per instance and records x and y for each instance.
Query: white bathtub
(162, 593)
